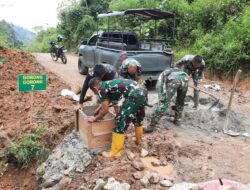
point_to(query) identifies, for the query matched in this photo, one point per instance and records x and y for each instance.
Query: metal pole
(108, 31)
(140, 27)
(174, 31)
(122, 31)
(97, 26)
(155, 31)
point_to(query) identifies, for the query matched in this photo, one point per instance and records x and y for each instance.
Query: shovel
(216, 99)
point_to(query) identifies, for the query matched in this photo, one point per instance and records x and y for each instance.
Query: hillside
(7, 36)
(13, 36)
(23, 35)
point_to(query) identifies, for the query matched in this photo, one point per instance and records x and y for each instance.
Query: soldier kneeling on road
(169, 82)
(132, 109)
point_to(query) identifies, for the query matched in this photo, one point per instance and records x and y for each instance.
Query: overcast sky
(30, 13)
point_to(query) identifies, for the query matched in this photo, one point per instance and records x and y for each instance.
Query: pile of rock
(145, 176)
(68, 159)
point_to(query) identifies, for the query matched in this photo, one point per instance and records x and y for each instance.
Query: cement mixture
(204, 119)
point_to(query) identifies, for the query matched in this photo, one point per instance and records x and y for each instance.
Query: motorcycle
(58, 52)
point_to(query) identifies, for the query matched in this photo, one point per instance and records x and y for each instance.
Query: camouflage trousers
(196, 94)
(132, 111)
(164, 101)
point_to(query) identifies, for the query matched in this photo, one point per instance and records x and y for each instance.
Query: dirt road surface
(67, 72)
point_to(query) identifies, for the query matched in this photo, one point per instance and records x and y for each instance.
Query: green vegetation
(12, 36)
(41, 42)
(216, 29)
(7, 36)
(27, 150)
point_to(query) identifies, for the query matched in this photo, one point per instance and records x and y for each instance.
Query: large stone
(169, 178)
(99, 184)
(144, 152)
(69, 171)
(40, 170)
(82, 187)
(156, 163)
(58, 154)
(80, 169)
(130, 155)
(65, 181)
(154, 178)
(138, 165)
(144, 181)
(166, 183)
(137, 175)
(50, 183)
(123, 186)
(111, 184)
(147, 173)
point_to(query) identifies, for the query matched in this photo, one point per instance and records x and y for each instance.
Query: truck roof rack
(144, 14)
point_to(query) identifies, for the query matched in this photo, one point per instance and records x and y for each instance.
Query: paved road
(68, 72)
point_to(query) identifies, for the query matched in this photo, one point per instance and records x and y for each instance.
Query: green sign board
(31, 82)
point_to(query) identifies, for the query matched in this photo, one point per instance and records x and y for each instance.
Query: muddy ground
(196, 150)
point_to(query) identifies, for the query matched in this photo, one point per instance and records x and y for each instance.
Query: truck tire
(81, 68)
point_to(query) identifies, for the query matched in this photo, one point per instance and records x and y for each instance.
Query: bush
(27, 150)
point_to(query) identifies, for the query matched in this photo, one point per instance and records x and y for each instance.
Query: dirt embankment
(18, 115)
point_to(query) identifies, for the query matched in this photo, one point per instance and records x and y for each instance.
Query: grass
(26, 151)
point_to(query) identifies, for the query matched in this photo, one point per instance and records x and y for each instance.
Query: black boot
(177, 116)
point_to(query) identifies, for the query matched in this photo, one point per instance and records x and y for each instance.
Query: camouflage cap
(130, 62)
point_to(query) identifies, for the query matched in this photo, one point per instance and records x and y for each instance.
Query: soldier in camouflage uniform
(169, 82)
(193, 65)
(132, 109)
(131, 69)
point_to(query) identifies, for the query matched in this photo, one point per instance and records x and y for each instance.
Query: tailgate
(152, 61)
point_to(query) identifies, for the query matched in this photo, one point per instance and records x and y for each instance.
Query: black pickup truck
(112, 47)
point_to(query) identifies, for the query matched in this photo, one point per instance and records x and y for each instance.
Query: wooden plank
(83, 126)
(102, 141)
(97, 134)
(103, 126)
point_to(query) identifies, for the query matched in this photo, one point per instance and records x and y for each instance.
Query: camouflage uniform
(133, 107)
(123, 71)
(169, 82)
(197, 74)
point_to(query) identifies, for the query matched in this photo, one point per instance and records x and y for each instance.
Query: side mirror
(84, 43)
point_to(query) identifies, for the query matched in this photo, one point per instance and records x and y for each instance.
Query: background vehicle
(58, 52)
(112, 46)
